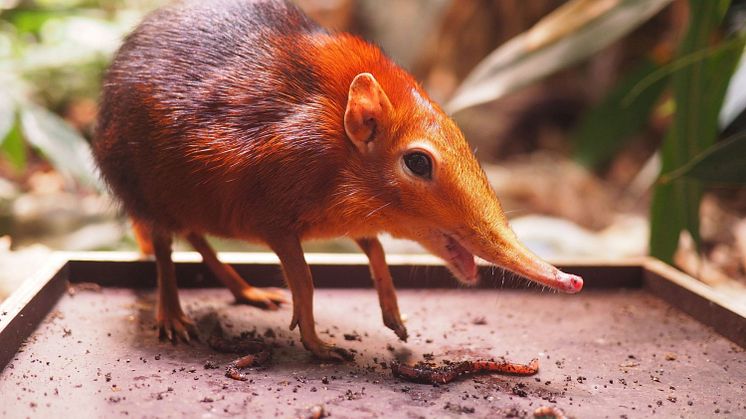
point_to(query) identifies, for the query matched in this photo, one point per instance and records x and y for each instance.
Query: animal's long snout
(503, 249)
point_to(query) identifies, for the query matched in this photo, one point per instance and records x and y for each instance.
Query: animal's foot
(174, 324)
(392, 320)
(266, 298)
(328, 352)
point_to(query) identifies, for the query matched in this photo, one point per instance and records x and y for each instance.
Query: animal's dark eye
(419, 163)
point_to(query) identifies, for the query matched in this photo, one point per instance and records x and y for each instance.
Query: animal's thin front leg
(171, 320)
(244, 293)
(384, 285)
(298, 277)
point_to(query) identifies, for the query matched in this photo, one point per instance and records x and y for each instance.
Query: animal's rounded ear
(367, 108)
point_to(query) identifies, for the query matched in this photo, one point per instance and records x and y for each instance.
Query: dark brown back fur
(225, 117)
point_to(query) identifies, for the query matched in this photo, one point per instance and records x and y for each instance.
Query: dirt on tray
(620, 352)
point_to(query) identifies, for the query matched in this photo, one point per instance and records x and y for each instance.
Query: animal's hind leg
(143, 237)
(267, 298)
(171, 320)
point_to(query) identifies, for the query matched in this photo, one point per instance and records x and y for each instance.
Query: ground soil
(610, 354)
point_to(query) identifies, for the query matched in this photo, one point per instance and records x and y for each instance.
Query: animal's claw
(173, 326)
(328, 352)
(392, 320)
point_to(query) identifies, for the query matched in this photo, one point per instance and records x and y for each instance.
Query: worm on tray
(549, 412)
(428, 373)
(259, 352)
(252, 360)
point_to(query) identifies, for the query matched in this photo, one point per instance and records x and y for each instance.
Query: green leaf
(32, 20)
(698, 90)
(604, 129)
(666, 221)
(678, 64)
(7, 113)
(573, 32)
(723, 163)
(14, 148)
(674, 208)
(64, 147)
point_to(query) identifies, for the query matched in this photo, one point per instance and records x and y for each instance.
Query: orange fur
(246, 120)
(143, 238)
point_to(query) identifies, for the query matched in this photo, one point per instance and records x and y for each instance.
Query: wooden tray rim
(680, 290)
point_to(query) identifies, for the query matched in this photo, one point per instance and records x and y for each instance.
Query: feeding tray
(641, 339)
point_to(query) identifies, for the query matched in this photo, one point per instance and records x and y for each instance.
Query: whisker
(377, 209)
(518, 210)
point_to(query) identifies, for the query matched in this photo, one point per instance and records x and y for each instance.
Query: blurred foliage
(627, 109)
(52, 56)
(573, 32)
(698, 93)
(723, 163)
(698, 77)
(606, 127)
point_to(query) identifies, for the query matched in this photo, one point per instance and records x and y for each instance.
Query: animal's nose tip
(576, 282)
(571, 283)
